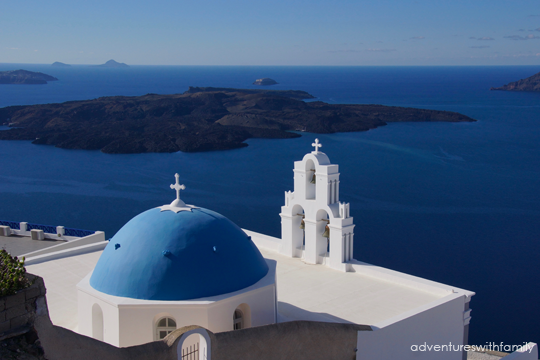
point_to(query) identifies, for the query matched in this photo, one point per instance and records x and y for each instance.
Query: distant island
(265, 81)
(113, 64)
(200, 119)
(293, 94)
(24, 77)
(531, 83)
(60, 64)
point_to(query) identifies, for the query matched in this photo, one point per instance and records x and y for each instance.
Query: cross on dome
(177, 205)
(316, 145)
(177, 186)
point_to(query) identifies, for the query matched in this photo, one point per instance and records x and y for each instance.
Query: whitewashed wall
(110, 318)
(131, 322)
(439, 323)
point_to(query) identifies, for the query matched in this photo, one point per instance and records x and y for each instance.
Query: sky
(276, 32)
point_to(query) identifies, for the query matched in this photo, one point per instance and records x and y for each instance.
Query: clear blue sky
(272, 32)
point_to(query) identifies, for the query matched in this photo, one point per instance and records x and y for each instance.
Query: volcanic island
(200, 119)
(25, 77)
(532, 83)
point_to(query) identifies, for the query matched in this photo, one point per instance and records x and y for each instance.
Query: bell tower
(315, 225)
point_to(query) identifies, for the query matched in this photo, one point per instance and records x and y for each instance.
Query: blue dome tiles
(163, 255)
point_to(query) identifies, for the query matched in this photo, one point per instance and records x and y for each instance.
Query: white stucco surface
(61, 277)
(318, 293)
(438, 323)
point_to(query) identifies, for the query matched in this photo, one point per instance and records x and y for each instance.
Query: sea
(457, 203)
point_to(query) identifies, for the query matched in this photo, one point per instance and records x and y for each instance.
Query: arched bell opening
(311, 180)
(298, 229)
(323, 236)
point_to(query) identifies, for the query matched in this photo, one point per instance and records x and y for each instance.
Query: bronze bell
(326, 232)
(313, 179)
(302, 224)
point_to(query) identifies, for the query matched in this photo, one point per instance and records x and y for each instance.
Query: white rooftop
(318, 293)
(305, 292)
(61, 277)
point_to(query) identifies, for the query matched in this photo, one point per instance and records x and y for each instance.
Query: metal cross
(316, 145)
(177, 186)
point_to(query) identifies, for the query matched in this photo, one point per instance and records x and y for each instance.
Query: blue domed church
(180, 265)
(173, 266)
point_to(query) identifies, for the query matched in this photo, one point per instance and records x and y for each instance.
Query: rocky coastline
(532, 83)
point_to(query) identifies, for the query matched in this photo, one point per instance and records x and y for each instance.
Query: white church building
(172, 266)
(178, 265)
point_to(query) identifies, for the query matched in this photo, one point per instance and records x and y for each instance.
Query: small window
(238, 320)
(164, 327)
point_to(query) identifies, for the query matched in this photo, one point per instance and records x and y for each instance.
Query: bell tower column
(286, 235)
(292, 234)
(336, 247)
(341, 249)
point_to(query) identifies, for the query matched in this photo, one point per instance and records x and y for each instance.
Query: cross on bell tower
(316, 145)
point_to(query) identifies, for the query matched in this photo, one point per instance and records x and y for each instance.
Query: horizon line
(238, 65)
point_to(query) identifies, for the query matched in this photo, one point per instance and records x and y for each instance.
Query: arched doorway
(242, 317)
(194, 345)
(191, 348)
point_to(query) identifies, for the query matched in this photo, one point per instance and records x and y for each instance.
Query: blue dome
(163, 255)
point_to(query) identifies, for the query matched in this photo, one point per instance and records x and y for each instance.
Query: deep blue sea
(454, 203)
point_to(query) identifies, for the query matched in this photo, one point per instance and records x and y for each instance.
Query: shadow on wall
(288, 311)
